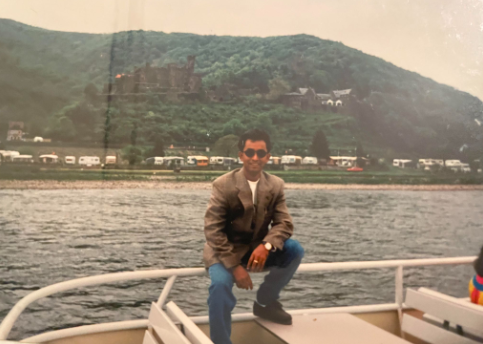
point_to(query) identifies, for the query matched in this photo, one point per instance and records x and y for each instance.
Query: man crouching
(243, 204)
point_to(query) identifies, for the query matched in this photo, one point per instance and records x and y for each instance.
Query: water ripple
(49, 236)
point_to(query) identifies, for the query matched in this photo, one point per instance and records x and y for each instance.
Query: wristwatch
(267, 246)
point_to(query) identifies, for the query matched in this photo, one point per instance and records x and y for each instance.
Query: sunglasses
(250, 152)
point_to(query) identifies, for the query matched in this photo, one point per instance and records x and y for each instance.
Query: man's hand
(257, 260)
(242, 278)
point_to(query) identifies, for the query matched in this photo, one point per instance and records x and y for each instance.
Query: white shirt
(253, 187)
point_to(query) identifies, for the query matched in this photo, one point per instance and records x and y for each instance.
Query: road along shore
(110, 184)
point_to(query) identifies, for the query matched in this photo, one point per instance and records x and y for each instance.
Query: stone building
(304, 99)
(341, 101)
(172, 79)
(15, 131)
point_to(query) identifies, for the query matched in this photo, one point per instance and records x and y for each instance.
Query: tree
(132, 154)
(158, 149)
(234, 126)
(134, 135)
(277, 87)
(360, 150)
(226, 146)
(320, 146)
(91, 92)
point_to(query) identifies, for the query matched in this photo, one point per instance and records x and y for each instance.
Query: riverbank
(123, 184)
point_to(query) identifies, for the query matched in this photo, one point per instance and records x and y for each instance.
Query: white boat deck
(341, 328)
(327, 325)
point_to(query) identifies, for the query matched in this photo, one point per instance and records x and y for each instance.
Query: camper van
(69, 160)
(309, 160)
(197, 160)
(291, 160)
(89, 161)
(155, 160)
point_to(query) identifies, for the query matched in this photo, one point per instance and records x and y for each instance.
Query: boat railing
(172, 274)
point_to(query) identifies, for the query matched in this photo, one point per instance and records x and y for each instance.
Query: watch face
(268, 246)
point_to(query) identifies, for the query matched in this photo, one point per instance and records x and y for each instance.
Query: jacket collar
(244, 191)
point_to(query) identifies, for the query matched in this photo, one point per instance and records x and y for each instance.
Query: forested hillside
(44, 74)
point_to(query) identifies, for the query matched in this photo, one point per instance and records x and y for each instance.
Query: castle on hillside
(171, 80)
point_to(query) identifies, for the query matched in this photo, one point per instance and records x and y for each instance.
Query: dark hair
(254, 135)
(479, 263)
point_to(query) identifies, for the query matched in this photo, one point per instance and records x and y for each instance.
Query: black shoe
(273, 312)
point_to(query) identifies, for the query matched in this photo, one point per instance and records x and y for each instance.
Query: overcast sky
(441, 39)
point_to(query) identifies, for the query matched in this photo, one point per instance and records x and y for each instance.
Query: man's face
(254, 164)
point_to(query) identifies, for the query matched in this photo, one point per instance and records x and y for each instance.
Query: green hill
(44, 75)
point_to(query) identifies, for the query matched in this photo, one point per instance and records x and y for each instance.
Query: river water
(53, 236)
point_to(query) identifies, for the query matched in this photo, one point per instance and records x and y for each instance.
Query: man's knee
(220, 277)
(294, 249)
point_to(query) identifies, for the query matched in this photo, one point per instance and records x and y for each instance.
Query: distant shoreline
(169, 185)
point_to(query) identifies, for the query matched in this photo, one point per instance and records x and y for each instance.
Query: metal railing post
(399, 293)
(166, 290)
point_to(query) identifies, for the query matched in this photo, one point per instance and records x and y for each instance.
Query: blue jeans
(221, 301)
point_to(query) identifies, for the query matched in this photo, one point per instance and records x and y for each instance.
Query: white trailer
(49, 159)
(23, 158)
(174, 160)
(155, 160)
(89, 161)
(7, 155)
(309, 160)
(291, 160)
(111, 160)
(402, 163)
(69, 160)
(216, 160)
